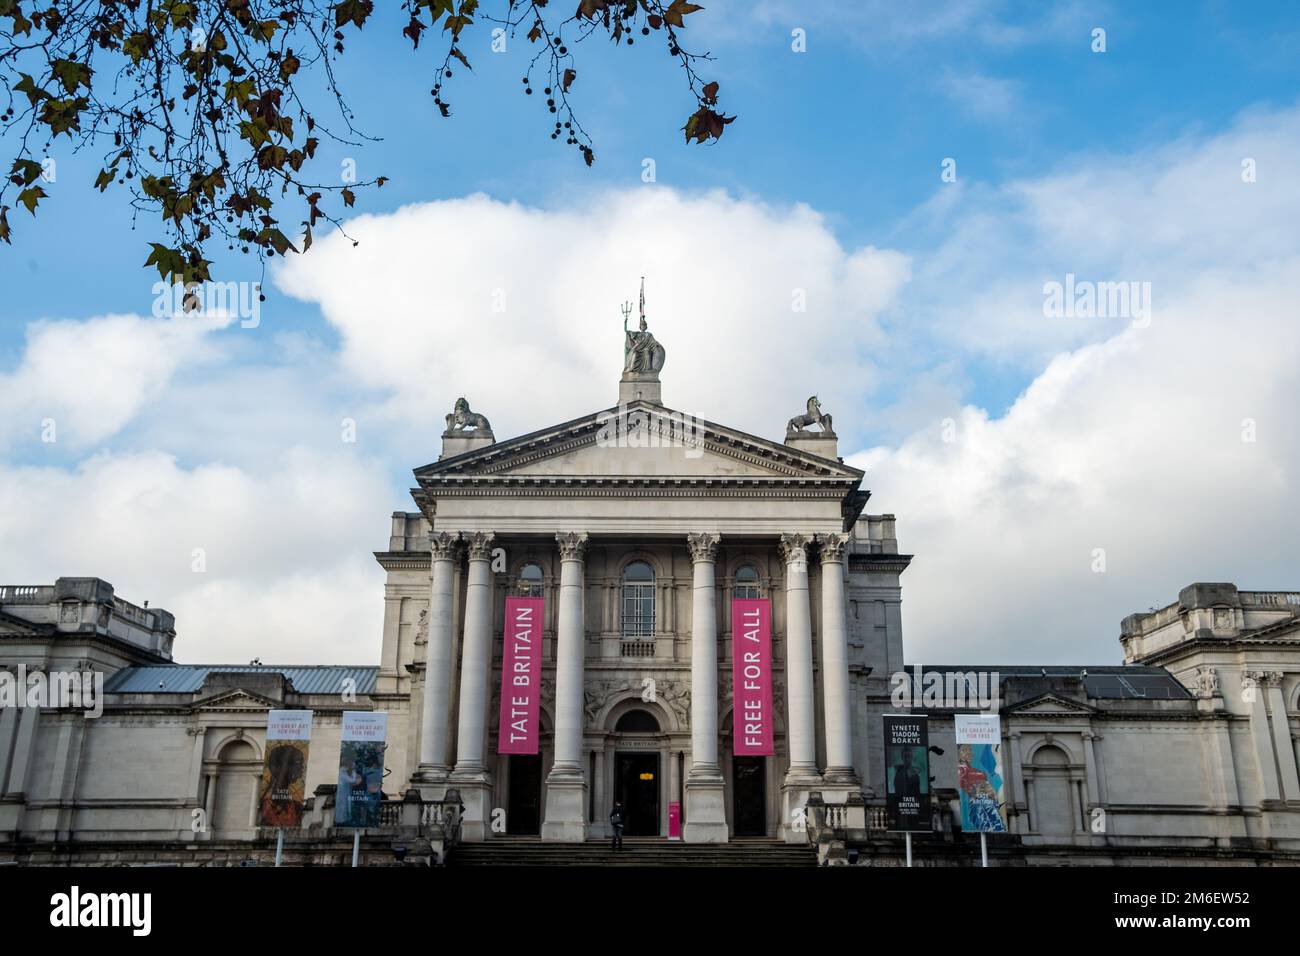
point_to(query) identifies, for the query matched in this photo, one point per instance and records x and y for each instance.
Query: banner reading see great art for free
(979, 773)
(521, 676)
(283, 789)
(361, 769)
(751, 677)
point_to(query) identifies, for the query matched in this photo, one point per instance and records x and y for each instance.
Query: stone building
(638, 526)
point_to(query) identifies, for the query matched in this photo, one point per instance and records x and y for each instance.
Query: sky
(882, 225)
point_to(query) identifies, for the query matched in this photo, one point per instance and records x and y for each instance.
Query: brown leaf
(569, 77)
(348, 197)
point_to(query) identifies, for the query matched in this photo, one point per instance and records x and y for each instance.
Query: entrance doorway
(749, 796)
(523, 815)
(636, 786)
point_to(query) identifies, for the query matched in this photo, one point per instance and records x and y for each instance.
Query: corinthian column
(566, 784)
(436, 716)
(706, 813)
(835, 664)
(471, 774)
(801, 723)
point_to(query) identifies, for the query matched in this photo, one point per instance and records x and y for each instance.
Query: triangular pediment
(639, 441)
(236, 699)
(1051, 705)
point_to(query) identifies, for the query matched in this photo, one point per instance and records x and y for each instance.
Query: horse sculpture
(814, 417)
(462, 418)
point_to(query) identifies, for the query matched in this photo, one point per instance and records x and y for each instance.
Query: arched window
(638, 601)
(530, 581)
(637, 722)
(747, 582)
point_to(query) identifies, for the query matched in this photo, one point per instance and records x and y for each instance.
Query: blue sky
(1122, 164)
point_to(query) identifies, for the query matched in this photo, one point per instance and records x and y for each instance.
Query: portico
(637, 526)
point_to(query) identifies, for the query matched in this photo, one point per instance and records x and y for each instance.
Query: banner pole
(279, 844)
(984, 848)
(356, 846)
(908, 837)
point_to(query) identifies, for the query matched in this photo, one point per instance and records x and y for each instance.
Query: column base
(431, 781)
(799, 782)
(475, 788)
(706, 808)
(840, 783)
(565, 820)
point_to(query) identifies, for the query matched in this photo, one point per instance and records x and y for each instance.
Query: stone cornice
(403, 560)
(583, 432)
(575, 486)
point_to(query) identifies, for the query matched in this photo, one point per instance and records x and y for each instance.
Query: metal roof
(1123, 682)
(189, 678)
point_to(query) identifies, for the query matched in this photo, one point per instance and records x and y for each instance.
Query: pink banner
(751, 677)
(521, 676)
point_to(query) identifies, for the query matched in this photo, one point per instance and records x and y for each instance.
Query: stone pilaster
(835, 666)
(801, 729)
(471, 775)
(566, 785)
(435, 719)
(706, 811)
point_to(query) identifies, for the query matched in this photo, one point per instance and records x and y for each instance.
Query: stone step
(644, 851)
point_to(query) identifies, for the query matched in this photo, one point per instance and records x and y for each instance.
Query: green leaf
(355, 12)
(30, 196)
(71, 74)
(25, 171)
(28, 86)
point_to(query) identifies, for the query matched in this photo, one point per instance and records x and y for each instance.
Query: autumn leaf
(30, 196)
(569, 77)
(679, 8)
(348, 197)
(710, 93)
(4, 224)
(455, 51)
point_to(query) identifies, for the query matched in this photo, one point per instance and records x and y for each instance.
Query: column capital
(443, 544)
(832, 547)
(480, 545)
(573, 545)
(704, 546)
(794, 547)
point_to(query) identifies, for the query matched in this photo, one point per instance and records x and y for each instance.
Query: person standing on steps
(616, 824)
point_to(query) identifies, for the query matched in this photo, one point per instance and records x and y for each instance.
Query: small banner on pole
(361, 768)
(283, 790)
(907, 772)
(979, 773)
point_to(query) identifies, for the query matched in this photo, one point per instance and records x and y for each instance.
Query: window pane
(747, 582)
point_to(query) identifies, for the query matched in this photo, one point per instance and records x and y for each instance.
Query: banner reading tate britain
(751, 677)
(521, 676)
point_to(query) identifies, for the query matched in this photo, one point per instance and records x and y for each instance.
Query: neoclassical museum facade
(637, 527)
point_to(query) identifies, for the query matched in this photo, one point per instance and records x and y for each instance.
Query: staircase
(637, 851)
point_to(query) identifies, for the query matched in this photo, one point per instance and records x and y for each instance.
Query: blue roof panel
(189, 678)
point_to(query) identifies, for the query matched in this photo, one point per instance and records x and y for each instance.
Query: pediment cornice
(779, 467)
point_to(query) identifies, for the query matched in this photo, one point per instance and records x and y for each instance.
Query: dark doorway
(637, 787)
(524, 816)
(749, 796)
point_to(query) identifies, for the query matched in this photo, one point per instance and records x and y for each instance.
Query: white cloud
(1130, 439)
(286, 570)
(92, 377)
(414, 304)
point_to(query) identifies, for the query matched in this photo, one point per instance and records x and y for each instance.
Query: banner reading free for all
(751, 677)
